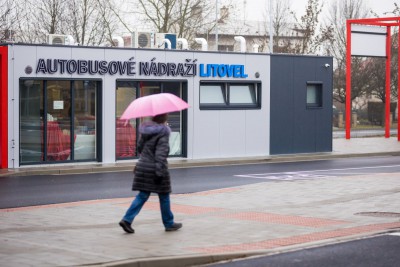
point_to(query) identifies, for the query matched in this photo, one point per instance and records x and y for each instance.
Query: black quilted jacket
(151, 172)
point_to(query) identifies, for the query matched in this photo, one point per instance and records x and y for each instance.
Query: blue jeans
(141, 198)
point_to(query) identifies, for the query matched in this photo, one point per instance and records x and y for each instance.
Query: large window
(126, 131)
(58, 121)
(230, 95)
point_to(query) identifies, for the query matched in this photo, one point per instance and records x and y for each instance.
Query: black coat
(151, 173)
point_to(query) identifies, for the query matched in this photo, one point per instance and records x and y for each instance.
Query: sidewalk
(262, 218)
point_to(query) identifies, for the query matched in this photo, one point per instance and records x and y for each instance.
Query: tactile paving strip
(282, 219)
(299, 239)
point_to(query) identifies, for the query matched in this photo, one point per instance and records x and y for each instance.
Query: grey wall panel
(324, 129)
(294, 127)
(304, 119)
(282, 105)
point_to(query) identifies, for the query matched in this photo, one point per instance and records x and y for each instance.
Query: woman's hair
(162, 118)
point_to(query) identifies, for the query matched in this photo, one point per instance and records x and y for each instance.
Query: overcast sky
(256, 8)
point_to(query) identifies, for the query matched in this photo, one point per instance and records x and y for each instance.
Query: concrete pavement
(257, 219)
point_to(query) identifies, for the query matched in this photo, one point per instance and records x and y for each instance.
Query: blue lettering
(242, 74)
(230, 70)
(236, 72)
(214, 68)
(222, 70)
(202, 73)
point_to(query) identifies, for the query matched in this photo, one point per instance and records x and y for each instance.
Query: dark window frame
(226, 88)
(319, 95)
(99, 118)
(184, 116)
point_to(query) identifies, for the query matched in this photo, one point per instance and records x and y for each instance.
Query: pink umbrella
(151, 105)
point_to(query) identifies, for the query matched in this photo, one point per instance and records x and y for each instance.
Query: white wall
(232, 133)
(211, 133)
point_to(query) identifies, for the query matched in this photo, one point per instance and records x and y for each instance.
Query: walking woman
(151, 174)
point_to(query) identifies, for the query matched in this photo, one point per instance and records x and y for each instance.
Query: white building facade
(61, 104)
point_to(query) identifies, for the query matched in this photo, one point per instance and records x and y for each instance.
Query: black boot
(173, 227)
(126, 226)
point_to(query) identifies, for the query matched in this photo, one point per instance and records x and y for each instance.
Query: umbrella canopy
(152, 105)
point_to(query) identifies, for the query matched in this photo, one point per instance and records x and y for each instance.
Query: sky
(256, 8)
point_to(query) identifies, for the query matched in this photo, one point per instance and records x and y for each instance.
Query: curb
(200, 260)
(177, 261)
(183, 163)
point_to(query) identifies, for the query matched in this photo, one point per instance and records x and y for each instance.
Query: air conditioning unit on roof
(60, 39)
(160, 43)
(142, 39)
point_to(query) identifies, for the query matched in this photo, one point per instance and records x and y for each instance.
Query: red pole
(387, 96)
(398, 84)
(348, 80)
(3, 107)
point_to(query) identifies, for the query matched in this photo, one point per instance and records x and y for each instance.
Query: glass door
(84, 123)
(58, 120)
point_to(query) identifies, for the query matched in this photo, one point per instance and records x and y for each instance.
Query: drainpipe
(71, 40)
(167, 42)
(242, 43)
(203, 42)
(255, 48)
(184, 43)
(119, 40)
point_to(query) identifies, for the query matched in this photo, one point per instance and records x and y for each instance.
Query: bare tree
(111, 22)
(48, 17)
(379, 69)
(312, 36)
(394, 65)
(339, 12)
(90, 22)
(9, 16)
(52, 10)
(83, 21)
(282, 24)
(375, 74)
(183, 17)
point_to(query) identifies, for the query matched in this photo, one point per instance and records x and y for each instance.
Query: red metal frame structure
(3, 107)
(383, 22)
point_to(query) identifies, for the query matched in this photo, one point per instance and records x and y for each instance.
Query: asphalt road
(49, 189)
(378, 251)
